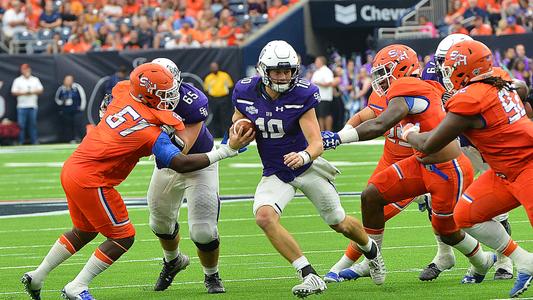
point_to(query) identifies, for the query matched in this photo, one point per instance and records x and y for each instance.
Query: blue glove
(225, 140)
(330, 140)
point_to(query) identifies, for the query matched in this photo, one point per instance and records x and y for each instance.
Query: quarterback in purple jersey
(282, 107)
(168, 189)
(503, 265)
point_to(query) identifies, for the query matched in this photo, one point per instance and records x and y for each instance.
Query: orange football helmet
(390, 63)
(155, 86)
(465, 62)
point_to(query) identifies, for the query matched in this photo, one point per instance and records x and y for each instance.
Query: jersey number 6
(117, 119)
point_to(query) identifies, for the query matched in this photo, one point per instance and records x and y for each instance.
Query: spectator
(120, 74)
(338, 85)
(509, 58)
(181, 18)
(217, 84)
(68, 17)
(194, 7)
(474, 10)
(133, 43)
(363, 89)
(70, 97)
(131, 8)
(112, 9)
(14, 20)
(227, 31)
(276, 9)
(428, 26)
(56, 45)
(480, 28)
(323, 78)
(50, 18)
(455, 12)
(457, 27)
(257, 5)
(27, 89)
(188, 42)
(76, 45)
(521, 54)
(369, 60)
(520, 72)
(510, 27)
(146, 33)
(173, 43)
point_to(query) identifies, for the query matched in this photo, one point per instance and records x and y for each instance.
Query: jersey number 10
(273, 128)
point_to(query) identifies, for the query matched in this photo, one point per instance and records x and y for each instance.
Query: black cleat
(429, 273)
(502, 274)
(170, 269)
(214, 285)
(26, 281)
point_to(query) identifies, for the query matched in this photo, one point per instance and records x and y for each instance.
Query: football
(246, 123)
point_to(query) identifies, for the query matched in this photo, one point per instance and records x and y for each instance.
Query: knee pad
(203, 233)
(211, 246)
(167, 236)
(333, 217)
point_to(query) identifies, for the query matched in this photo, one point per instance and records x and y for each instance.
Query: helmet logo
(150, 86)
(476, 71)
(458, 58)
(401, 55)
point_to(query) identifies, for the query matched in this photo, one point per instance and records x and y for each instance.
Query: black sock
(372, 253)
(308, 270)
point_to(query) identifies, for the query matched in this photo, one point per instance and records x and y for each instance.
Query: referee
(217, 85)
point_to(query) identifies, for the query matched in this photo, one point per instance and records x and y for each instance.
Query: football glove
(174, 138)
(408, 129)
(104, 104)
(330, 140)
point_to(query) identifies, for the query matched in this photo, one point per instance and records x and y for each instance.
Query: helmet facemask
(169, 98)
(264, 71)
(382, 77)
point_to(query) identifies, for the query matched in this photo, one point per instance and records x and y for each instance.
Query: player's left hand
(225, 140)
(293, 160)
(103, 105)
(330, 140)
(240, 139)
(408, 129)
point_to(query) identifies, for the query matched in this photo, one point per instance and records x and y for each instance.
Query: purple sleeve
(193, 106)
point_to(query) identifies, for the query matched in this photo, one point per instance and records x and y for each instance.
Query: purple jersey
(277, 124)
(430, 73)
(193, 108)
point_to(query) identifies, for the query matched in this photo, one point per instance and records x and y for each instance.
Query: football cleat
(521, 284)
(356, 271)
(430, 272)
(170, 269)
(26, 281)
(84, 295)
(332, 277)
(502, 274)
(378, 271)
(312, 284)
(475, 275)
(213, 283)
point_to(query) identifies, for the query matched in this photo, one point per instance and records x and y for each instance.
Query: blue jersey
(277, 124)
(430, 73)
(193, 108)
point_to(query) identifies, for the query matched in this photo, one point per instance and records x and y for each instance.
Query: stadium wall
(91, 70)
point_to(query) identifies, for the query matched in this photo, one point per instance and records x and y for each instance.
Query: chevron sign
(345, 14)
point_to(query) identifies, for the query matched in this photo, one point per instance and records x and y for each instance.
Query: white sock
(171, 254)
(210, 270)
(57, 254)
(92, 268)
(471, 248)
(490, 233)
(523, 260)
(366, 248)
(299, 263)
(342, 264)
(378, 238)
(445, 255)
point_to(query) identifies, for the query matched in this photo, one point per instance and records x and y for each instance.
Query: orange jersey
(395, 149)
(127, 132)
(506, 141)
(423, 99)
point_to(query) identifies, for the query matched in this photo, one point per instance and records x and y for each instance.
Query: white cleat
(378, 271)
(312, 284)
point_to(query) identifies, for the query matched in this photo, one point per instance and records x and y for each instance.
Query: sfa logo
(460, 59)
(150, 86)
(368, 13)
(401, 55)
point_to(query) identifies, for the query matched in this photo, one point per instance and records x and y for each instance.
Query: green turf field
(250, 267)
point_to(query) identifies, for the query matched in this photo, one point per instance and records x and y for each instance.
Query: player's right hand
(408, 129)
(330, 140)
(240, 139)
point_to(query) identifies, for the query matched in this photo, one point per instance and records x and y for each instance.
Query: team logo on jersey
(150, 86)
(252, 110)
(458, 58)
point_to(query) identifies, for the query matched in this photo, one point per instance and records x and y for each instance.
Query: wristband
(224, 151)
(348, 136)
(305, 156)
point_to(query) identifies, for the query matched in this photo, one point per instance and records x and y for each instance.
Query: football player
(282, 107)
(433, 71)
(444, 174)
(129, 130)
(168, 188)
(488, 111)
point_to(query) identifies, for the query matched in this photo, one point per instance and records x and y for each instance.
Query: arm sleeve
(164, 151)
(38, 84)
(58, 100)
(313, 99)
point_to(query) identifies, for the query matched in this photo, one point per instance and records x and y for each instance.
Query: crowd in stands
(483, 17)
(78, 26)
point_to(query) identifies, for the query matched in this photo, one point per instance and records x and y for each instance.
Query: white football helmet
(445, 45)
(278, 55)
(171, 66)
